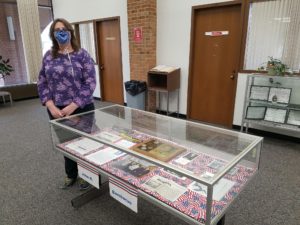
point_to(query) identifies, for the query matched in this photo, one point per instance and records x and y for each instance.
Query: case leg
(178, 103)
(168, 103)
(221, 221)
(89, 195)
(159, 107)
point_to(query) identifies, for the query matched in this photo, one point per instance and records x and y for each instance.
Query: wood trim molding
(191, 55)
(236, 2)
(245, 16)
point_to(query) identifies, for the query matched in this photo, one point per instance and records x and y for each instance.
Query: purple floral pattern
(56, 81)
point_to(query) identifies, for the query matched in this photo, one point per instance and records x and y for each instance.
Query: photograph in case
(198, 188)
(216, 164)
(135, 167)
(187, 158)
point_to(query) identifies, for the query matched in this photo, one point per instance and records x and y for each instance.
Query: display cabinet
(272, 101)
(192, 170)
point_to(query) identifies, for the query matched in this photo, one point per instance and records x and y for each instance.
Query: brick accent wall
(12, 49)
(142, 15)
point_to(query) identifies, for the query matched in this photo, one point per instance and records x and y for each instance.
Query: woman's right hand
(55, 112)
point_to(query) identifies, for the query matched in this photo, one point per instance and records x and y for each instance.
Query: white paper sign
(123, 193)
(165, 187)
(108, 136)
(217, 33)
(84, 146)
(88, 174)
(105, 155)
(125, 143)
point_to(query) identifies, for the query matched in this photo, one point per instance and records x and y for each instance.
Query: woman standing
(66, 83)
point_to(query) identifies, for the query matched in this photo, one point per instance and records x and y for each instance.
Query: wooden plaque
(159, 150)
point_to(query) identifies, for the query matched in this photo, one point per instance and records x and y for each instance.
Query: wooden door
(214, 64)
(110, 60)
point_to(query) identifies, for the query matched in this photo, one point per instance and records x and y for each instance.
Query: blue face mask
(62, 36)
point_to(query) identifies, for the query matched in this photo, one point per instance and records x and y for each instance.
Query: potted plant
(275, 67)
(5, 68)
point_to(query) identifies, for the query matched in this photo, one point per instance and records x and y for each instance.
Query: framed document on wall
(256, 112)
(294, 117)
(259, 92)
(275, 115)
(280, 95)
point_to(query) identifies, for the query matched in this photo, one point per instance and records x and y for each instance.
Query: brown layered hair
(55, 46)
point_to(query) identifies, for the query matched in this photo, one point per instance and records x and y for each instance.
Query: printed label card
(186, 158)
(84, 146)
(107, 136)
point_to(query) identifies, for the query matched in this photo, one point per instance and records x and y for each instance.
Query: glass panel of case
(176, 161)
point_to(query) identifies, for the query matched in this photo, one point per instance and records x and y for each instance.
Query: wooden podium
(164, 79)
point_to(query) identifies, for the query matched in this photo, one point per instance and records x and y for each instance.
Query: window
(273, 31)
(46, 19)
(87, 41)
(11, 43)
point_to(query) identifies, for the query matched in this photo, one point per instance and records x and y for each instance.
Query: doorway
(215, 51)
(110, 60)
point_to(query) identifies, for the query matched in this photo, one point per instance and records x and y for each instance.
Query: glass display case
(192, 170)
(272, 101)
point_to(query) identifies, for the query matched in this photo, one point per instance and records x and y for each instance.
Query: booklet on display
(105, 155)
(165, 187)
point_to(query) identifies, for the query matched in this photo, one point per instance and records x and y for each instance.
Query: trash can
(135, 94)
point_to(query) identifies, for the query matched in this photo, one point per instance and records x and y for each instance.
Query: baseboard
(26, 98)
(173, 114)
(97, 98)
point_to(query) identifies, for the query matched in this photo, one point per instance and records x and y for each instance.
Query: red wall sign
(137, 34)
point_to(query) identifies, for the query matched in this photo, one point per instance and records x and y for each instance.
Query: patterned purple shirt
(56, 81)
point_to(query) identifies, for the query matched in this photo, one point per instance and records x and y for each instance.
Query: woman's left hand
(68, 110)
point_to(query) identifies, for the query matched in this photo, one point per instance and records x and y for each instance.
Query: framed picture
(280, 95)
(293, 117)
(256, 112)
(275, 115)
(158, 149)
(259, 92)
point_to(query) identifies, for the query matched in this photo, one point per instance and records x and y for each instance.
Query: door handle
(232, 75)
(102, 67)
